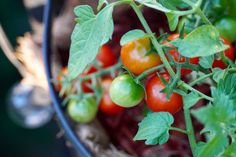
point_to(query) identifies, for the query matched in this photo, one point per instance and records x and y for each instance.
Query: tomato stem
(190, 130)
(178, 130)
(101, 72)
(200, 79)
(145, 73)
(203, 16)
(188, 87)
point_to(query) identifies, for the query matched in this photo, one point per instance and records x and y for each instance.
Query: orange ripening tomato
(106, 105)
(175, 55)
(157, 101)
(134, 56)
(228, 53)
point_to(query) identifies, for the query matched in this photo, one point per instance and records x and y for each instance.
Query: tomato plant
(144, 55)
(84, 110)
(106, 105)
(157, 100)
(136, 57)
(125, 92)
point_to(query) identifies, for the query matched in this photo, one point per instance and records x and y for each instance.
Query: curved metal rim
(48, 16)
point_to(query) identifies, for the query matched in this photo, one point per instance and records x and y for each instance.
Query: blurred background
(15, 140)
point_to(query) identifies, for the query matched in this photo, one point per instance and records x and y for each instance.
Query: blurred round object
(29, 106)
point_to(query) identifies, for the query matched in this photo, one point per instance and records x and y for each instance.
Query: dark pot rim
(49, 12)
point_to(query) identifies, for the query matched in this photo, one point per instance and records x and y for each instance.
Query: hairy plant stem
(178, 130)
(101, 72)
(203, 16)
(145, 73)
(190, 131)
(200, 79)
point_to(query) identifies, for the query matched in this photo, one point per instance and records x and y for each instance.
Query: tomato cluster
(125, 91)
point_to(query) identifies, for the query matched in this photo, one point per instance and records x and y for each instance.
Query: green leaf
(163, 5)
(214, 147)
(86, 40)
(218, 74)
(199, 147)
(203, 41)
(83, 13)
(173, 4)
(206, 62)
(230, 151)
(155, 128)
(155, 5)
(190, 100)
(131, 36)
(221, 115)
(173, 20)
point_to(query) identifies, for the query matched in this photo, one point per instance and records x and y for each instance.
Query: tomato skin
(106, 58)
(125, 92)
(157, 100)
(83, 111)
(228, 53)
(133, 56)
(226, 27)
(175, 55)
(106, 105)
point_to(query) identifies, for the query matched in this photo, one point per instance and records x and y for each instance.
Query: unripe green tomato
(227, 28)
(83, 111)
(125, 92)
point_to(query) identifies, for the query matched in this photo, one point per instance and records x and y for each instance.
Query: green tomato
(83, 111)
(125, 92)
(227, 28)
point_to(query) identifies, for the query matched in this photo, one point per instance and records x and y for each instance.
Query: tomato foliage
(201, 47)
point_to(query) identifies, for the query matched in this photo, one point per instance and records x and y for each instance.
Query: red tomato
(157, 101)
(106, 58)
(134, 56)
(106, 105)
(175, 55)
(228, 53)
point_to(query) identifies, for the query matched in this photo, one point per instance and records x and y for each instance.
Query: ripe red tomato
(157, 101)
(134, 56)
(175, 55)
(106, 58)
(106, 105)
(228, 53)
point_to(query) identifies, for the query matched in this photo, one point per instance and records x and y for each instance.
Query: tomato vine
(203, 41)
